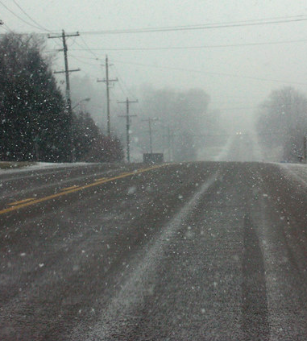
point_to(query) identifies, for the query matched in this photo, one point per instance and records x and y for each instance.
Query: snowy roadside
(38, 166)
(296, 171)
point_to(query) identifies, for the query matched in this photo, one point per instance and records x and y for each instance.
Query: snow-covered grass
(272, 154)
(297, 171)
(14, 167)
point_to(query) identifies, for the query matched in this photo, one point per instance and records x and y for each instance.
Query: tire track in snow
(133, 291)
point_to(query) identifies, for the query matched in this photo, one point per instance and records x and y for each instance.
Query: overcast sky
(236, 77)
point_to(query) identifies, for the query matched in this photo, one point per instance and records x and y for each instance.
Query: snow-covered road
(192, 251)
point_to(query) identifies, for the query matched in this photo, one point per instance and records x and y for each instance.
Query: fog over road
(192, 251)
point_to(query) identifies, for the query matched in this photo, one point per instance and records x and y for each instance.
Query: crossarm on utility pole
(63, 71)
(67, 71)
(128, 116)
(108, 81)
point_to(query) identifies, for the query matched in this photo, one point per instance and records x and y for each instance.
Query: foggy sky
(221, 71)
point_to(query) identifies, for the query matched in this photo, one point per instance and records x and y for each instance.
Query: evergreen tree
(90, 143)
(34, 125)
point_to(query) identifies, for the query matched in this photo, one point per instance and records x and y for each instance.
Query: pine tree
(34, 125)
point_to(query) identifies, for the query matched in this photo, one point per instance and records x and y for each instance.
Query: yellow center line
(23, 204)
(126, 173)
(68, 188)
(20, 202)
(101, 179)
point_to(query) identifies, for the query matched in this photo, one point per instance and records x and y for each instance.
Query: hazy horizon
(237, 63)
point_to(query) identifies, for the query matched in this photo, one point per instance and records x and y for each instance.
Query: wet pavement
(192, 251)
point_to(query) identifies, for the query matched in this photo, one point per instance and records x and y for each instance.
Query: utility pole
(67, 71)
(305, 150)
(108, 81)
(128, 116)
(149, 120)
(170, 139)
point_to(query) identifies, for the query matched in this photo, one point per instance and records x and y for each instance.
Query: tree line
(35, 122)
(182, 126)
(282, 124)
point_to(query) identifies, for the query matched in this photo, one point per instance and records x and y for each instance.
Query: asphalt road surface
(192, 251)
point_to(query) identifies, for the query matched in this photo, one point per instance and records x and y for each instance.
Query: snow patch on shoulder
(42, 165)
(296, 171)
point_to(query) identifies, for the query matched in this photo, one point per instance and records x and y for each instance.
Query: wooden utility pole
(169, 143)
(108, 81)
(305, 150)
(128, 116)
(149, 120)
(169, 140)
(68, 97)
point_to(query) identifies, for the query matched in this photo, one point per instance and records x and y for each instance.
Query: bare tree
(282, 121)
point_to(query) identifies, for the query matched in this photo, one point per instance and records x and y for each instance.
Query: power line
(150, 120)
(63, 36)
(34, 21)
(17, 16)
(197, 47)
(82, 61)
(237, 108)
(82, 49)
(122, 81)
(212, 73)
(88, 49)
(128, 121)
(119, 78)
(122, 89)
(257, 22)
(108, 81)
